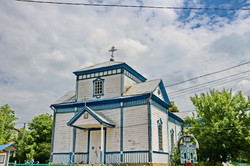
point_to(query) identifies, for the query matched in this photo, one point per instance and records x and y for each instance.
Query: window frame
(160, 135)
(98, 87)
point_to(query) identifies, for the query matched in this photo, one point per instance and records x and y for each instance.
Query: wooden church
(114, 116)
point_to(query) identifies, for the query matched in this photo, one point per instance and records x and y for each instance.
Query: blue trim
(164, 93)
(161, 152)
(121, 132)
(88, 145)
(175, 117)
(150, 134)
(86, 109)
(53, 130)
(160, 102)
(68, 106)
(118, 66)
(61, 153)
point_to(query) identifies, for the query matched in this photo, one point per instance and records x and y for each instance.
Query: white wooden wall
(113, 134)
(135, 137)
(157, 115)
(127, 83)
(158, 94)
(81, 141)
(63, 134)
(112, 87)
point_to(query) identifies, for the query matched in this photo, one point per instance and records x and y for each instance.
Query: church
(114, 115)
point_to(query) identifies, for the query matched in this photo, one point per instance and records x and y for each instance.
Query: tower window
(98, 85)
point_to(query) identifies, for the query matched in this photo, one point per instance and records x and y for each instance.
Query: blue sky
(42, 44)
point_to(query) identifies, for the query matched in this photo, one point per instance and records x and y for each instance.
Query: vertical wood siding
(136, 157)
(63, 133)
(81, 158)
(135, 128)
(60, 158)
(113, 157)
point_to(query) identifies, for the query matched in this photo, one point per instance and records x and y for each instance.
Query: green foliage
(222, 127)
(175, 157)
(35, 143)
(173, 108)
(7, 118)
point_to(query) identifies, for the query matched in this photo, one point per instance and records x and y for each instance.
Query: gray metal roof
(66, 98)
(100, 65)
(142, 88)
(184, 115)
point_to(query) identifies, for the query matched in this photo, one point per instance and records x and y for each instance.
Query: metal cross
(112, 50)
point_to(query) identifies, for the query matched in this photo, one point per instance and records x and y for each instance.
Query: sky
(42, 44)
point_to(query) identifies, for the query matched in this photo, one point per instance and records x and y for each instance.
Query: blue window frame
(159, 123)
(98, 87)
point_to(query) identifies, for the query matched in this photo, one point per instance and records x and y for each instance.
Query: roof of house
(69, 97)
(184, 115)
(142, 88)
(8, 147)
(100, 65)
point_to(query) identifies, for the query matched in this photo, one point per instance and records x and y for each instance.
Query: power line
(205, 75)
(202, 88)
(209, 82)
(130, 6)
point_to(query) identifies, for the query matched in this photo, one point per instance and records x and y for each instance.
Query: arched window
(159, 123)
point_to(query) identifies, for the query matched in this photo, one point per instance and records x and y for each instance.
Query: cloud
(42, 44)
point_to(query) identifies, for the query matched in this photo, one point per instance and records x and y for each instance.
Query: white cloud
(41, 45)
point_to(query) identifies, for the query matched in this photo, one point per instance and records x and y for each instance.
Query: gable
(87, 118)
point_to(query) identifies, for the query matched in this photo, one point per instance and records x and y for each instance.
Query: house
(114, 116)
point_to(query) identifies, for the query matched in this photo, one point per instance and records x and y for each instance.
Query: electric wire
(209, 82)
(202, 88)
(208, 74)
(131, 6)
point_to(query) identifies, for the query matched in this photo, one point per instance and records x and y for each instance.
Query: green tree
(7, 118)
(173, 107)
(35, 143)
(222, 125)
(41, 132)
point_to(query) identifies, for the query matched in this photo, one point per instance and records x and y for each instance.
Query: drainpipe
(53, 133)
(150, 155)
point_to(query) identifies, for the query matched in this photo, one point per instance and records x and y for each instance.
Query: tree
(173, 107)
(35, 143)
(41, 132)
(7, 118)
(222, 126)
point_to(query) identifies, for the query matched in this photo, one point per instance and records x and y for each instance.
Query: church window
(105, 73)
(84, 76)
(92, 75)
(88, 75)
(159, 122)
(118, 70)
(98, 87)
(109, 72)
(114, 71)
(101, 73)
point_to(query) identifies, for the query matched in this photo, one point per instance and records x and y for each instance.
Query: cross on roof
(112, 50)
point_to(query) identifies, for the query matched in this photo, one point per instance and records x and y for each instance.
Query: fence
(37, 164)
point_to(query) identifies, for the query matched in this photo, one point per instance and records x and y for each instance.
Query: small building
(114, 115)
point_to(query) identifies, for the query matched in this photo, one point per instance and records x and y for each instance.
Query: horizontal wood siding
(158, 93)
(63, 133)
(157, 115)
(112, 87)
(160, 158)
(113, 134)
(128, 82)
(135, 128)
(81, 141)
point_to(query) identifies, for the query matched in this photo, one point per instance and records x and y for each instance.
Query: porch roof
(87, 118)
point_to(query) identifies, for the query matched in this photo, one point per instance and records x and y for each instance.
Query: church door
(95, 147)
